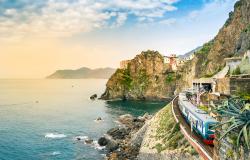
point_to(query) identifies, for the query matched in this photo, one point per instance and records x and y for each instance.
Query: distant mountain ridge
(82, 73)
(190, 52)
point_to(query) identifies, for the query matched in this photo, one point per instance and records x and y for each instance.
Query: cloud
(10, 12)
(214, 7)
(59, 18)
(120, 20)
(168, 21)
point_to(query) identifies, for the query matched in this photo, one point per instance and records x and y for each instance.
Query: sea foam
(55, 153)
(97, 146)
(55, 135)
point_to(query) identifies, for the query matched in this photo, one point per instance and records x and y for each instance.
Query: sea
(40, 119)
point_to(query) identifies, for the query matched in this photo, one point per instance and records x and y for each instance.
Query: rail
(205, 151)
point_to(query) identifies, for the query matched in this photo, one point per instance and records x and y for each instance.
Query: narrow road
(204, 150)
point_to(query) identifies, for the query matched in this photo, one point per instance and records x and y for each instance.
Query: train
(199, 120)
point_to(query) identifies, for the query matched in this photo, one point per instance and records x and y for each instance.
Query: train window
(211, 127)
(200, 124)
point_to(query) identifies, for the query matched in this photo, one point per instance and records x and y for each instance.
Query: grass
(236, 71)
(244, 95)
(159, 147)
(168, 132)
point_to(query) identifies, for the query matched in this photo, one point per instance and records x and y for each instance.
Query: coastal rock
(111, 145)
(143, 79)
(131, 122)
(88, 141)
(137, 138)
(145, 117)
(126, 119)
(103, 141)
(109, 142)
(98, 119)
(118, 133)
(123, 142)
(93, 97)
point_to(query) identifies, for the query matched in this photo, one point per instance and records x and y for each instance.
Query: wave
(81, 138)
(97, 146)
(55, 153)
(55, 135)
(94, 144)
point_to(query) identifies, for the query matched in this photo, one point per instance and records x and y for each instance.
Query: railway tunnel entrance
(206, 84)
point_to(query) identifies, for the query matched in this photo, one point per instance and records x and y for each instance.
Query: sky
(38, 37)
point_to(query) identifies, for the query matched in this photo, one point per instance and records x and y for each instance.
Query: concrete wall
(239, 85)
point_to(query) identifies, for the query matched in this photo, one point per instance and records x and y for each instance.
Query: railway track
(195, 140)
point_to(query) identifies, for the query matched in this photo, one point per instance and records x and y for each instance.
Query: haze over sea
(40, 119)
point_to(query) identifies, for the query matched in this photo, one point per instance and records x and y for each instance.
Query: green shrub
(206, 48)
(236, 71)
(159, 147)
(170, 78)
(143, 77)
(244, 95)
(126, 78)
(229, 153)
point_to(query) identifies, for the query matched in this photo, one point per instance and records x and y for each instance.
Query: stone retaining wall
(233, 85)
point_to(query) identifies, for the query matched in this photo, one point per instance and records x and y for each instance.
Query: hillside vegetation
(164, 140)
(145, 78)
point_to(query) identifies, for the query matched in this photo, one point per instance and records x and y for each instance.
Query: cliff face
(233, 39)
(145, 78)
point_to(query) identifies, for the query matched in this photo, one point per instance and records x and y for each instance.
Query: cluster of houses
(171, 61)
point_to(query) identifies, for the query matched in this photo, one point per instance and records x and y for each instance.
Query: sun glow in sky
(41, 36)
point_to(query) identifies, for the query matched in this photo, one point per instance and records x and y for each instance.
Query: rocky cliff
(145, 78)
(233, 39)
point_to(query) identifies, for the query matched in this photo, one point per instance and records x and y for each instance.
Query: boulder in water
(98, 119)
(89, 141)
(103, 141)
(93, 97)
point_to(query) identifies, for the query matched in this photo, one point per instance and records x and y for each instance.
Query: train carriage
(199, 120)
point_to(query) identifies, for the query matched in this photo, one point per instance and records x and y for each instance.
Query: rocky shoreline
(124, 141)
